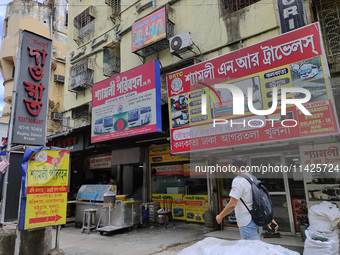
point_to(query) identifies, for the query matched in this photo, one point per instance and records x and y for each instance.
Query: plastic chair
(166, 211)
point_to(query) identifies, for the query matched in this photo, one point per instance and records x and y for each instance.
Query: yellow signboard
(162, 154)
(47, 185)
(195, 206)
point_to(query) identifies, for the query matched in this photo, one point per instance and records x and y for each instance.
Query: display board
(128, 104)
(44, 187)
(238, 98)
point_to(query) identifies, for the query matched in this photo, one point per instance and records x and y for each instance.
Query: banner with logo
(271, 91)
(127, 104)
(44, 187)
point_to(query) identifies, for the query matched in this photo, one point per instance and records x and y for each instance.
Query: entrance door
(277, 184)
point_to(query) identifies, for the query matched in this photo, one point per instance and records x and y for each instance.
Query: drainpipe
(51, 32)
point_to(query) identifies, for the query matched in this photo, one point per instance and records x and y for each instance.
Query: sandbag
(317, 243)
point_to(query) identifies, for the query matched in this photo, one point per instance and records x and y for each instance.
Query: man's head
(239, 161)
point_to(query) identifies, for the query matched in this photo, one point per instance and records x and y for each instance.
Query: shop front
(271, 102)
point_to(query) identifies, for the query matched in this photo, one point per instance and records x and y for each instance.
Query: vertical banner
(31, 105)
(291, 14)
(320, 166)
(44, 188)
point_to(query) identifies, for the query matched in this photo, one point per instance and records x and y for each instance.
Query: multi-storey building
(48, 19)
(111, 38)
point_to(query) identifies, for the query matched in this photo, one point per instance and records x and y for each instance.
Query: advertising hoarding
(293, 61)
(149, 30)
(127, 104)
(32, 83)
(44, 188)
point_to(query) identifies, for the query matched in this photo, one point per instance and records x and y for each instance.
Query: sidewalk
(142, 241)
(152, 240)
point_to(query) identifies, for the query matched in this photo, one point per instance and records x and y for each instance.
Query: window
(113, 10)
(328, 13)
(84, 25)
(230, 6)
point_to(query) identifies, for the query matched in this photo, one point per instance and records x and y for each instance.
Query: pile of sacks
(322, 236)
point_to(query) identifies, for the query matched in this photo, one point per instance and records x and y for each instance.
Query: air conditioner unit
(59, 78)
(56, 116)
(180, 43)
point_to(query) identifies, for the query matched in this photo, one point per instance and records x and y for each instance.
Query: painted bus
(308, 71)
(140, 116)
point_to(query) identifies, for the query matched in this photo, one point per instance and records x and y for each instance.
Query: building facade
(110, 39)
(48, 19)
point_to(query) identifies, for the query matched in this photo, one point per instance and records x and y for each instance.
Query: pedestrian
(112, 180)
(241, 189)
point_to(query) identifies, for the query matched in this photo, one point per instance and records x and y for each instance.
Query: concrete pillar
(37, 242)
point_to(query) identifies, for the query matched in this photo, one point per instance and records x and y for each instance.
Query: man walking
(241, 189)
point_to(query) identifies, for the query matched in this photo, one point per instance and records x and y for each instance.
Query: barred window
(84, 25)
(83, 18)
(230, 6)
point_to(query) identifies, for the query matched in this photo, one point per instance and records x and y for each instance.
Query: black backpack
(262, 212)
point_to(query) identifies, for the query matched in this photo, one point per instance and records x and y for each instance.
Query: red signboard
(292, 61)
(127, 104)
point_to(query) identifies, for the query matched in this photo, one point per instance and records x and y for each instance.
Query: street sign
(44, 188)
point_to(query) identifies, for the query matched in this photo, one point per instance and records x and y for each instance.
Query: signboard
(98, 162)
(178, 204)
(71, 142)
(321, 171)
(167, 170)
(127, 104)
(44, 188)
(149, 30)
(34, 67)
(195, 206)
(162, 155)
(262, 76)
(291, 14)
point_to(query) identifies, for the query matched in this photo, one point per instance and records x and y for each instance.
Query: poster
(321, 172)
(263, 77)
(196, 206)
(178, 204)
(127, 104)
(44, 188)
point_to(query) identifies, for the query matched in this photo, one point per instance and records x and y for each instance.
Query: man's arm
(227, 209)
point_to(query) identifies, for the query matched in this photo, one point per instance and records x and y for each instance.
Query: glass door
(268, 169)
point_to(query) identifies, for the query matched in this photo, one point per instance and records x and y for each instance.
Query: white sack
(215, 246)
(316, 247)
(323, 217)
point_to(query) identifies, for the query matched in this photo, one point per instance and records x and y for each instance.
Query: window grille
(84, 25)
(111, 61)
(230, 6)
(113, 9)
(329, 17)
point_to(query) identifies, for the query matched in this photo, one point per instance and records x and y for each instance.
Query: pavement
(154, 239)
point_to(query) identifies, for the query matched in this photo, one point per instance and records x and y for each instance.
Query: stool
(89, 220)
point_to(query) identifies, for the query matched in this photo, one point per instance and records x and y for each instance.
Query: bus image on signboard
(308, 71)
(103, 125)
(98, 126)
(140, 116)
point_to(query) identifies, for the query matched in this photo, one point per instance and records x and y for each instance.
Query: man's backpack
(262, 212)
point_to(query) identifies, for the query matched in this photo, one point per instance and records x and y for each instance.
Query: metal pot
(109, 197)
